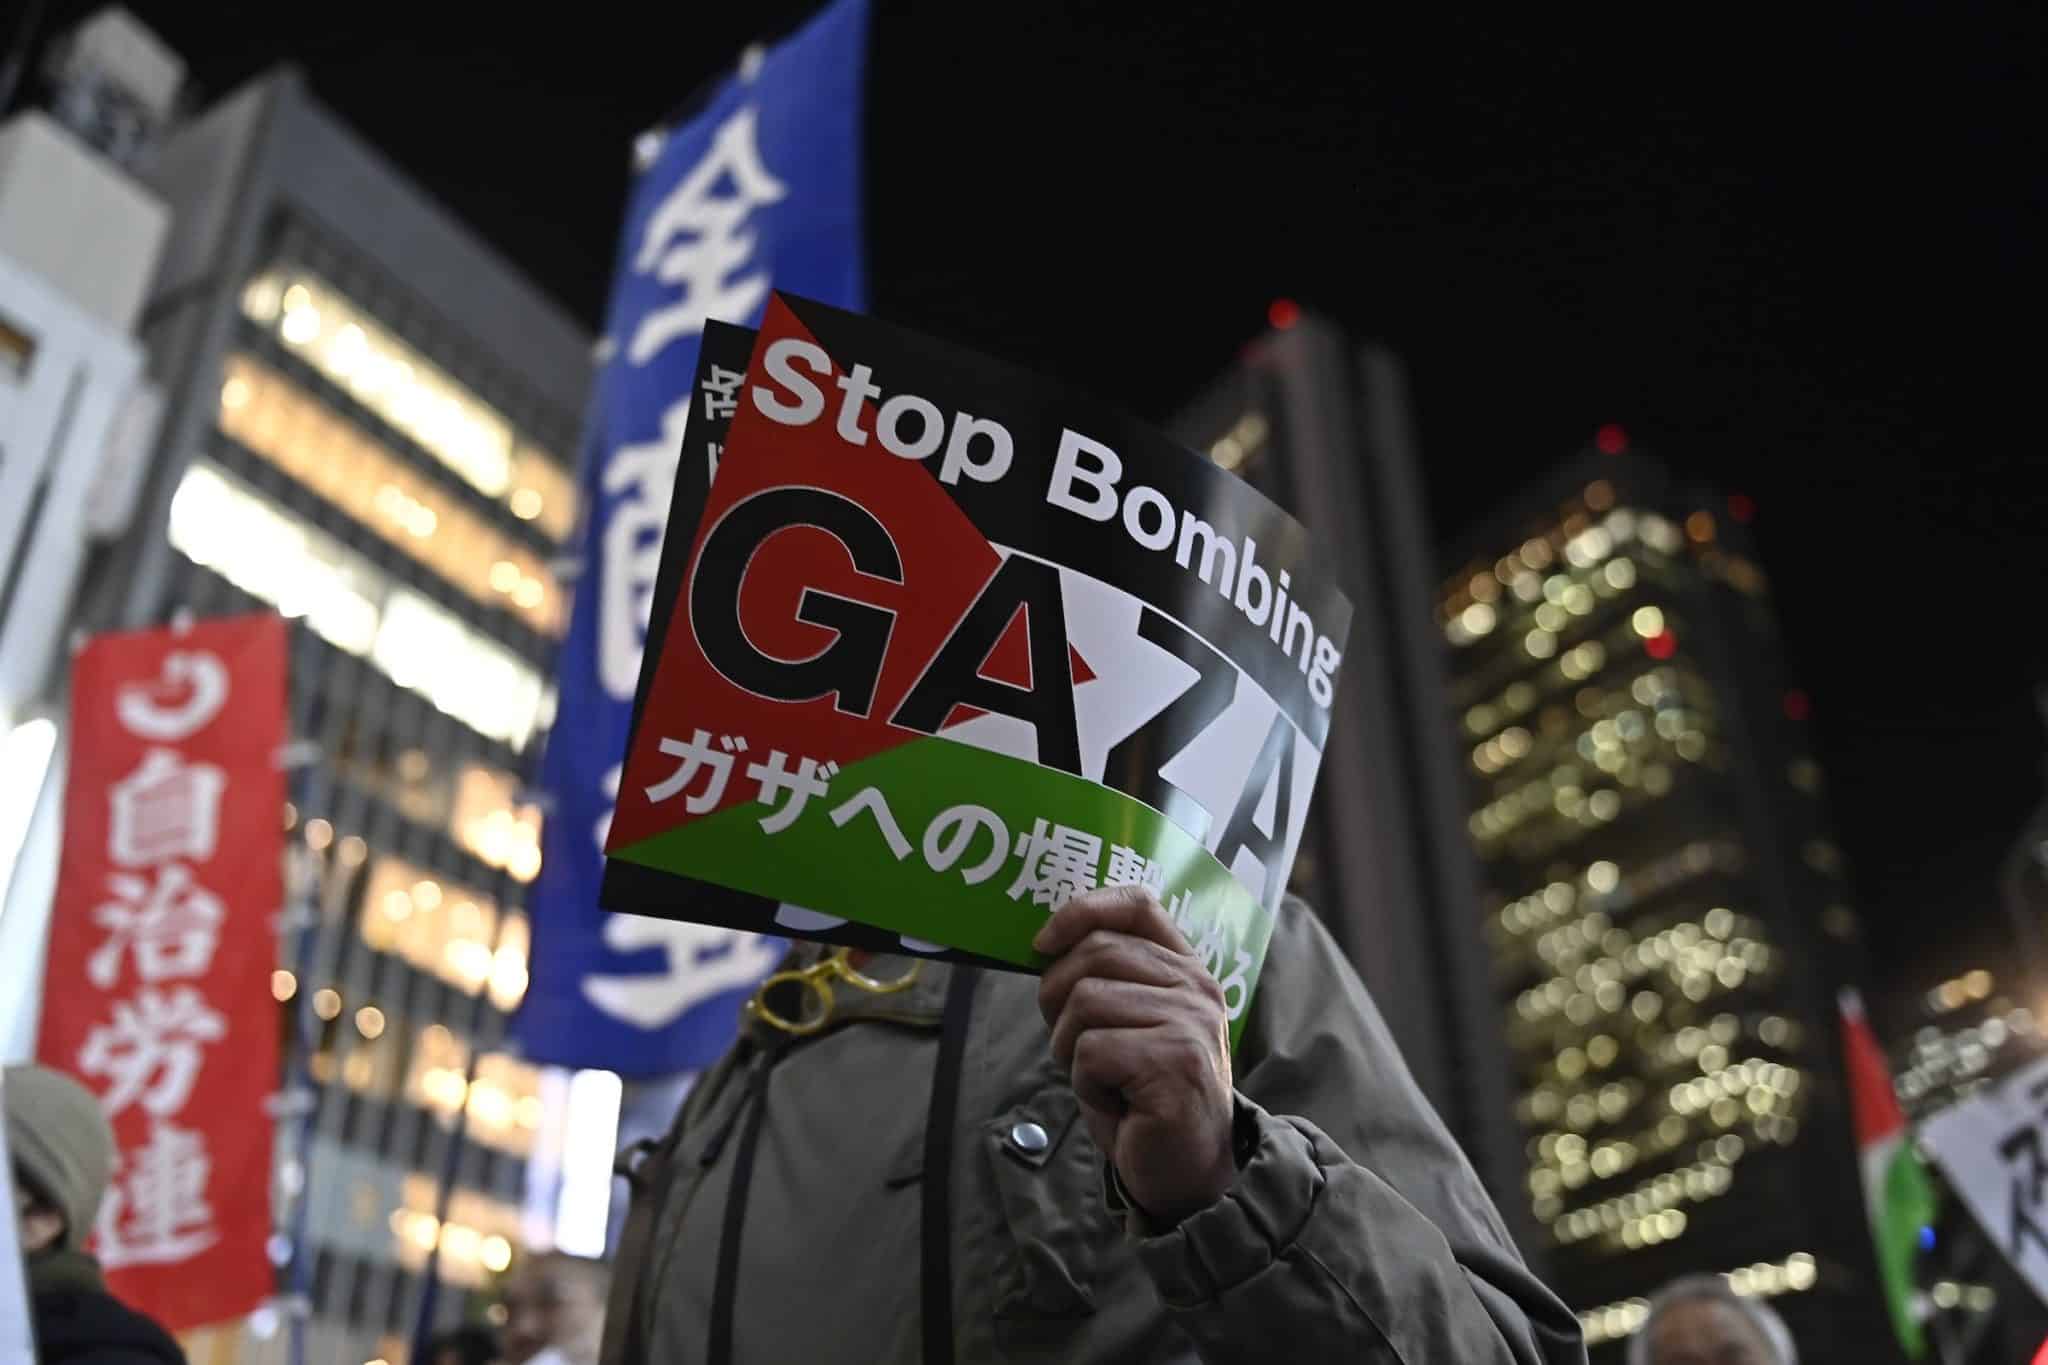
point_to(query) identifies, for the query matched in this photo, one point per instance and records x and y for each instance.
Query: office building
(80, 237)
(1319, 424)
(366, 419)
(1667, 919)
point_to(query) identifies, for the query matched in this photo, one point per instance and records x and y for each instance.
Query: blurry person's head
(63, 1155)
(554, 1300)
(1699, 1320)
(470, 1345)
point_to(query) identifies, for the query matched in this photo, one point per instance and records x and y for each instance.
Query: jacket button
(1029, 1138)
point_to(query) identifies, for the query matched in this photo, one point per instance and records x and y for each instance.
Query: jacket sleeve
(1356, 1230)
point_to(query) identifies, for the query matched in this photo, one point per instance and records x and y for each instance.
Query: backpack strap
(647, 1166)
(936, 1294)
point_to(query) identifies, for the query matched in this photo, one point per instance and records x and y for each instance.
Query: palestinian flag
(1897, 1194)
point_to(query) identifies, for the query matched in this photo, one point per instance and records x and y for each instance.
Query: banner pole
(300, 1083)
(451, 1161)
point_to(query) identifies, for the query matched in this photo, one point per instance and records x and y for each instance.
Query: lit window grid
(543, 492)
(1554, 648)
(340, 701)
(475, 1242)
(412, 394)
(276, 420)
(477, 803)
(1603, 885)
(502, 1099)
(490, 821)
(1690, 959)
(1624, 746)
(1627, 757)
(1638, 1086)
(1634, 679)
(1625, 982)
(1546, 603)
(1795, 1274)
(1946, 1065)
(1581, 541)
(278, 558)
(1625, 1073)
(1243, 443)
(446, 930)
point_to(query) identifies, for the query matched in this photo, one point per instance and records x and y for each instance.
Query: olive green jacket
(1356, 1230)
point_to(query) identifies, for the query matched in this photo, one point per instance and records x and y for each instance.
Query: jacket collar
(918, 1005)
(51, 1272)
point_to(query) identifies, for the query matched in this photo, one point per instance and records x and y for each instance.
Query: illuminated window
(1237, 446)
(410, 392)
(542, 493)
(460, 670)
(502, 1099)
(504, 1103)
(477, 804)
(475, 1242)
(446, 930)
(278, 421)
(273, 556)
(490, 822)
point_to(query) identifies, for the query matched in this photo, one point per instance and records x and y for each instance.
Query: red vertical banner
(157, 992)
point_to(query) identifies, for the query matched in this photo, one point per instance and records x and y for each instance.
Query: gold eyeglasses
(815, 985)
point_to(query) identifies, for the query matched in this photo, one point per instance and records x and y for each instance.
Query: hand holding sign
(931, 661)
(1144, 1030)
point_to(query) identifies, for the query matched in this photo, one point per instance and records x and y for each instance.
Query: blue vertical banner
(759, 189)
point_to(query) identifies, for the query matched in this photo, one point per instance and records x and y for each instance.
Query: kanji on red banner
(157, 993)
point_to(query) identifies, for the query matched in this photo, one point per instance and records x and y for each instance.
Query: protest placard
(634, 888)
(951, 642)
(1993, 1147)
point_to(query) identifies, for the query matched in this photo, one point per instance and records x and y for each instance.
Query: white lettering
(1067, 470)
(698, 239)
(959, 457)
(642, 475)
(1297, 617)
(780, 362)
(1250, 572)
(1214, 547)
(889, 426)
(1135, 503)
(858, 390)
(1327, 659)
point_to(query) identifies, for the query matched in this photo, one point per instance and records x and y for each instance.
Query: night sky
(1797, 261)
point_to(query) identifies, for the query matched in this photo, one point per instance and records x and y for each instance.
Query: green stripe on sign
(922, 840)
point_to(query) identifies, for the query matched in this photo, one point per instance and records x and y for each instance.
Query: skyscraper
(1320, 425)
(1666, 915)
(366, 420)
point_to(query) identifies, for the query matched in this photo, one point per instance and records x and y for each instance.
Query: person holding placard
(915, 1161)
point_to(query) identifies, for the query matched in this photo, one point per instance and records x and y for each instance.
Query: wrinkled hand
(1142, 1029)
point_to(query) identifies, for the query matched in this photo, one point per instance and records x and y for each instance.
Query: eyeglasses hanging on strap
(815, 998)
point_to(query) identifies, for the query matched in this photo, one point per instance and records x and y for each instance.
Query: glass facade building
(367, 429)
(1666, 916)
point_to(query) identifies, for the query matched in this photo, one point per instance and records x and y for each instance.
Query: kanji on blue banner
(760, 189)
